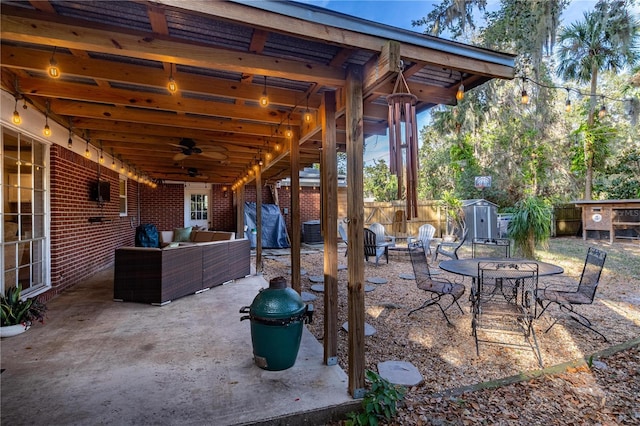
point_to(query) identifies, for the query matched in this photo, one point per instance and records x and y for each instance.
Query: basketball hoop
(482, 182)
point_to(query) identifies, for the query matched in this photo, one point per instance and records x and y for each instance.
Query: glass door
(23, 212)
(197, 208)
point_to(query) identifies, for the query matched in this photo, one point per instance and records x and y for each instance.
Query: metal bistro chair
(450, 249)
(372, 249)
(440, 290)
(490, 247)
(568, 297)
(503, 303)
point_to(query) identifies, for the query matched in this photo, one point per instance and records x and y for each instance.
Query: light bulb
(525, 97)
(460, 92)
(567, 106)
(47, 130)
(16, 117)
(603, 111)
(289, 133)
(101, 159)
(307, 116)
(264, 99)
(53, 70)
(172, 86)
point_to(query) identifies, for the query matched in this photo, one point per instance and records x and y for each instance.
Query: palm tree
(607, 39)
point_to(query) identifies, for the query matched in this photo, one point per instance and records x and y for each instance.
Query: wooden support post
(239, 201)
(355, 215)
(296, 225)
(258, 221)
(329, 204)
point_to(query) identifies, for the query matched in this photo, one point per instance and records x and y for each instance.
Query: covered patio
(108, 103)
(190, 362)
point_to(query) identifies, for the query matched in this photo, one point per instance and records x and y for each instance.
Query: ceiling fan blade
(214, 148)
(177, 146)
(179, 156)
(214, 155)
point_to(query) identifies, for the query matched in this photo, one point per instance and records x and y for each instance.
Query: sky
(400, 13)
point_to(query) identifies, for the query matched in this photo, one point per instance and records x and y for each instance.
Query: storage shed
(481, 217)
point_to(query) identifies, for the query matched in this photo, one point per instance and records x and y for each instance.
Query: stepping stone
(368, 288)
(316, 278)
(369, 330)
(400, 373)
(308, 297)
(318, 287)
(407, 276)
(377, 280)
(342, 267)
(302, 272)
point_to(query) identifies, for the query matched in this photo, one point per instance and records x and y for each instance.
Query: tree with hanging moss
(606, 39)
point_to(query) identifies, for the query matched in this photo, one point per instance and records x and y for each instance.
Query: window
(123, 196)
(24, 205)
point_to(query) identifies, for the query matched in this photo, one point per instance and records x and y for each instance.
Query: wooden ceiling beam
(137, 115)
(36, 60)
(30, 27)
(151, 101)
(353, 39)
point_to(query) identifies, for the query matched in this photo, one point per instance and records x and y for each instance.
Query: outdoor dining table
(469, 267)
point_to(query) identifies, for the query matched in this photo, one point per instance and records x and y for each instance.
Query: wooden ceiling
(116, 58)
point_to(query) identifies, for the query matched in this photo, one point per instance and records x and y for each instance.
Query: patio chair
(569, 296)
(343, 234)
(450, 249)
(381, 235)
(372, 249)
(441, 292)
(490, 247)
(425, 235)
(503, 303)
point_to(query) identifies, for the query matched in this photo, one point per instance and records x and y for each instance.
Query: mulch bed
(446, 356)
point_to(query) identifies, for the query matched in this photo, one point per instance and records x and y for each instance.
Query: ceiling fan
(190, 171)
(188, 147)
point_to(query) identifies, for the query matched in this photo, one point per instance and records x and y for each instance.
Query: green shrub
(379, 403)
(530, 226)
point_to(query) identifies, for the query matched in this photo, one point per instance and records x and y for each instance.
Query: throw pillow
(182, 235)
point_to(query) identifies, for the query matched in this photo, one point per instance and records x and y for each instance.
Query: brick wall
(80, 248)
(162, 206)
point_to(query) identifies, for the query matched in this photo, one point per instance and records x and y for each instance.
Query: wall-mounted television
(100, 191)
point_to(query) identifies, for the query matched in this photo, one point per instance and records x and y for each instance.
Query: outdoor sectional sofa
(160, 275)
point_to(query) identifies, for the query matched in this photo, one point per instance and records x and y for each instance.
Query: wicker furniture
(158, 276)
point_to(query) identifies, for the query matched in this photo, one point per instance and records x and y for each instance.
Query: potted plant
(16, 314)
(530, 225)
(455, 216)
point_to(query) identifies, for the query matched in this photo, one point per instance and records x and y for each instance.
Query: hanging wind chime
(403, 142)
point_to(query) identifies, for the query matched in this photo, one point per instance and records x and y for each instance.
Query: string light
(603, 109)
(46, 130)
(53, 70)
(113, 160)
(16, 116)
(87, 152)
(524, 97)
(172, 86)
(460, 92)
(307, 114)
(264, 99)
(70, 140)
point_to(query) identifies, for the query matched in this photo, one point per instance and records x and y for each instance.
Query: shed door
(482, 227)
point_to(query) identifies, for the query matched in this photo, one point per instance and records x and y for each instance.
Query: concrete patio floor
(96, 361)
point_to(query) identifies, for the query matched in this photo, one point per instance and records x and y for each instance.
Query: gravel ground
(446, 356)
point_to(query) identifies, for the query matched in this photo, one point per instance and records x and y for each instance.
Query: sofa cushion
(182, 235)
(166, 237)
(201, 236)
